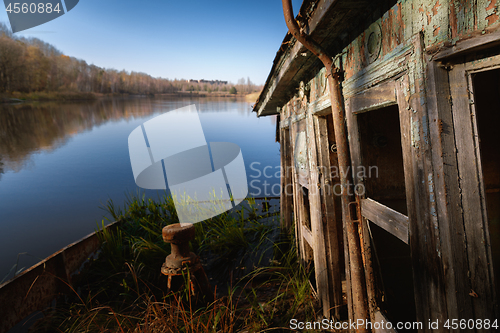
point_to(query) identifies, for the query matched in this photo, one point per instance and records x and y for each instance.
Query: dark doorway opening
(487, 103)
(382, 159)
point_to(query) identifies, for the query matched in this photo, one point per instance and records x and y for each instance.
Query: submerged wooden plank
(36, 287)
(386, 218)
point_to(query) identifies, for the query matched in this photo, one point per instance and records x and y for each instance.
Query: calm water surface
(60, 162)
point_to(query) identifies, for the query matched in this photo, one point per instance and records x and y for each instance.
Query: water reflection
(31, 127)
(60, 161)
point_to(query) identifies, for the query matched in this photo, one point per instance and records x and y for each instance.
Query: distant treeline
(30, 65)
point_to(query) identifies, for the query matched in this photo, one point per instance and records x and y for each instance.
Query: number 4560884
(471, 324)
(32, 8)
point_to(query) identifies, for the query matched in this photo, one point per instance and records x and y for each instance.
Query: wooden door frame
(471, 182)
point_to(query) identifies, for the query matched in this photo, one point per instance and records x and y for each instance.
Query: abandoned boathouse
(408, 229)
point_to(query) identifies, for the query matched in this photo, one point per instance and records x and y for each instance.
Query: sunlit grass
(257, 282)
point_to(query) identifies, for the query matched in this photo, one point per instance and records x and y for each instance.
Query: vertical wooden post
(424, 233)
(475, 221)
(286, 204)
(319, 246)
(329, 219)
(357, 276)
(297, 201)
(446, 175)
(355, 147)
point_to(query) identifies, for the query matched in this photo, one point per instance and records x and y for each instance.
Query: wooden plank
(412, 200)
(475, 65)
(470, 44)
(286, 204)
(448, 202)
(330, 220)
(382, 327)
(291, 65)
(296, 210)
(307, 235)
(424, 241)
(319, 251)
(35, 288)
(391, 65)
(475, 222)
(381, 95)
(386, 218)
(356, 160)
(288, 190)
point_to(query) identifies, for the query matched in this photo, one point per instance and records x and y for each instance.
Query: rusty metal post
(181, 262)
(358, 283)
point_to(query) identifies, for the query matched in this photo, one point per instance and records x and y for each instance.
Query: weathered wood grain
(286, 202)
(390, 66)
(330, 220)
(319, 246)
(448, 202)
(424, 240)
(386, 218)
(376, 97)
(357, 161)
(469, 44)
(307, 235)
(475, 222)
(297, 203)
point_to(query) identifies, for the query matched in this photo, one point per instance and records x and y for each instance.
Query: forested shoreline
(33, 69)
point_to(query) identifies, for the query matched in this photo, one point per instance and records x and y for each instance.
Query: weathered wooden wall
(410, 57)
(441, 22)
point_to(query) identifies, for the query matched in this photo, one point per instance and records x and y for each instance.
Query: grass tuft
(259, 285)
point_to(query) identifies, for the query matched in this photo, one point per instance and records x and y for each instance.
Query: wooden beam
(393, 64)
(388, 219)
(381, 319)
(35, 288)
(355, 148)
(330, 220)
(307, 235)
(424, 238)
(448, 196)
(470, 44)
(293, 61)
(474, 219)
(286, 202)
(376, 97)
(297, 200)
(319, 248)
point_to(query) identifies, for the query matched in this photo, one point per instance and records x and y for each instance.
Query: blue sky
(220, 39)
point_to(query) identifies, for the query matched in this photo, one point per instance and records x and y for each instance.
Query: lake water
(60, 162)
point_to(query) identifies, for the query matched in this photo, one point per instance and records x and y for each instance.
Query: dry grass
(123, 290)
(252, 98)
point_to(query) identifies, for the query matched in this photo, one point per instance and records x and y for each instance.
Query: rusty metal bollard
(181, 263)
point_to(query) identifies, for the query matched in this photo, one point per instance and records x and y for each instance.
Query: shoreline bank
(17, 97)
